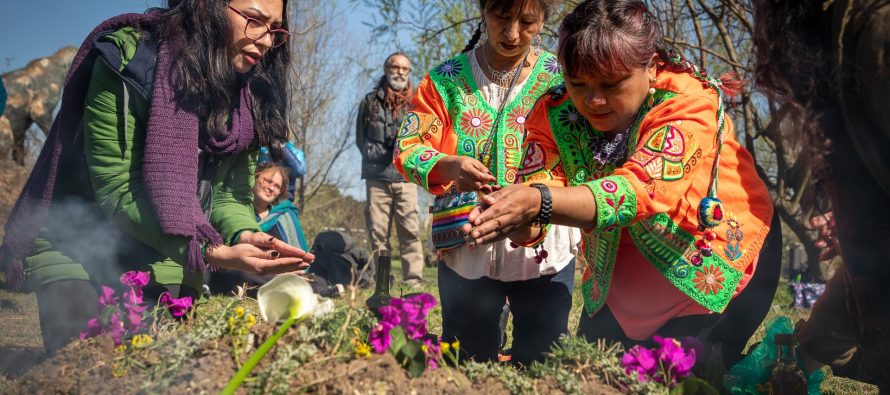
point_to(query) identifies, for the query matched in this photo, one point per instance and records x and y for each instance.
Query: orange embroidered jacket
(658, 192)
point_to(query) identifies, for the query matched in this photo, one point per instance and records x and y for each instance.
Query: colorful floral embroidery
(517, 117)
(476, 123)
(734, 237)
(570, 118)
(662, 154)
(552, 65)
(616, 204)
(533, 159)
(450, 68)
(709, 280)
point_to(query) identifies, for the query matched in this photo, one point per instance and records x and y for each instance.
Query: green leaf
(398, 340)
(416, 368)
(694, 386)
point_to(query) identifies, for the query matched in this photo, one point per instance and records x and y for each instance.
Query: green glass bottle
(787, 378)
(381, 296)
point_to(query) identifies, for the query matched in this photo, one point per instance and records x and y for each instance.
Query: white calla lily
(284, 296)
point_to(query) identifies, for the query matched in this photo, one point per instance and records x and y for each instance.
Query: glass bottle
(381, 296)
(787, 378)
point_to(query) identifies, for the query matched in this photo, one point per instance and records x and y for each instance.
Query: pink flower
(106, 297)
(93, 329)
(177, 306)
(132, 297)
(116, 328)
(379, 338)
(134, 318)
(674, 358)
(135, 279)
(641, 360)
(433, 352)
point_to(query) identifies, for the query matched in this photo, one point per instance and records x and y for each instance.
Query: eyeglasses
(269, 183)
(256, 30)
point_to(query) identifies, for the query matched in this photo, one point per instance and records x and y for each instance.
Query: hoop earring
(539, 45)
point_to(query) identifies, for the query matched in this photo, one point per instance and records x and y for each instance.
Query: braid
(673, 61)
(475, 39)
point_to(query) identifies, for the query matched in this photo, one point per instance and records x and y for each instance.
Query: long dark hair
(604, 37)
(795, 67)
(206, 82)
(505, 6)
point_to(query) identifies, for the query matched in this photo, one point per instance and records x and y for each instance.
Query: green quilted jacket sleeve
(114, 142)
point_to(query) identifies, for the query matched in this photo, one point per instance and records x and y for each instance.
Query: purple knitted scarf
(170, 166)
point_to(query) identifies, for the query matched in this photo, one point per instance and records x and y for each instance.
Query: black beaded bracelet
(546, 204)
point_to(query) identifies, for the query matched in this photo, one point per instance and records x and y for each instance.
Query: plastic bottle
(787, 378)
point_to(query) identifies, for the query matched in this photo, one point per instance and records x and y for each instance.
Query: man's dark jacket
(376, 129)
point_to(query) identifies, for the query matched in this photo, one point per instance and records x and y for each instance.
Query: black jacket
(375, 136)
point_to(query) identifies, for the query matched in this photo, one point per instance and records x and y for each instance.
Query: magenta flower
(135, 279)
(116, 328)
(641, 360)
(676, 360)
(433, 352)
(132, 297)
(106, 297)
(177, 306)
(379, 338)
(93, 329)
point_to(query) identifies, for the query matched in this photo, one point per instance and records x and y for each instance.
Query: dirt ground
(87, 367)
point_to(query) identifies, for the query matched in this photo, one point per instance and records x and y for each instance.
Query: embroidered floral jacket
(655, 193)
(449, 116)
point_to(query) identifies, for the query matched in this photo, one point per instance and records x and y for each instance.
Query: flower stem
(257, 355)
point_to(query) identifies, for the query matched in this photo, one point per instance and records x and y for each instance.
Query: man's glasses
(256, 30)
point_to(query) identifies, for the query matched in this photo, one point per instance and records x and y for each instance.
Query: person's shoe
(413, 284)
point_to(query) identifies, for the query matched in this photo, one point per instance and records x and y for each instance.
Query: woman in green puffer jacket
(149, 164)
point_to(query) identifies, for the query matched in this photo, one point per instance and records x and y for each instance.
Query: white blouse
(498, 260)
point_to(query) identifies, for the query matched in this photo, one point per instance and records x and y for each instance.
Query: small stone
(706, 252)
(701, 244)
(711, 235)
(696, 260)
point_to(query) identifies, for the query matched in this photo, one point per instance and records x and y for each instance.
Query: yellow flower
(250, 320)
(140, 341)
(424, 348)
(239, 312)
(231, 322)
(362, 349)
(456, 345)
(445, 347)
(120, 348)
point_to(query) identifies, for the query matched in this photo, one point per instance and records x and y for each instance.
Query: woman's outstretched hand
(260, 253)
(502, 213)
(252, 259)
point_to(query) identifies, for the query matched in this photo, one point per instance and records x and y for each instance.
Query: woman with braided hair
(462, 138)
(631, 150)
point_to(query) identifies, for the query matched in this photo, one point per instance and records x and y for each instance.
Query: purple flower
(177, 306)
(425, 302)
(676, 360)
(135, 279)
(134, 318)
(106, 297)
(379, 338)
(132, 297)
(116, 328)
(93, 329)
(433, 352)
(641, 360)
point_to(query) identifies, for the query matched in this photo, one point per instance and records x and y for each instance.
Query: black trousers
(471, 311)
(730, 329)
